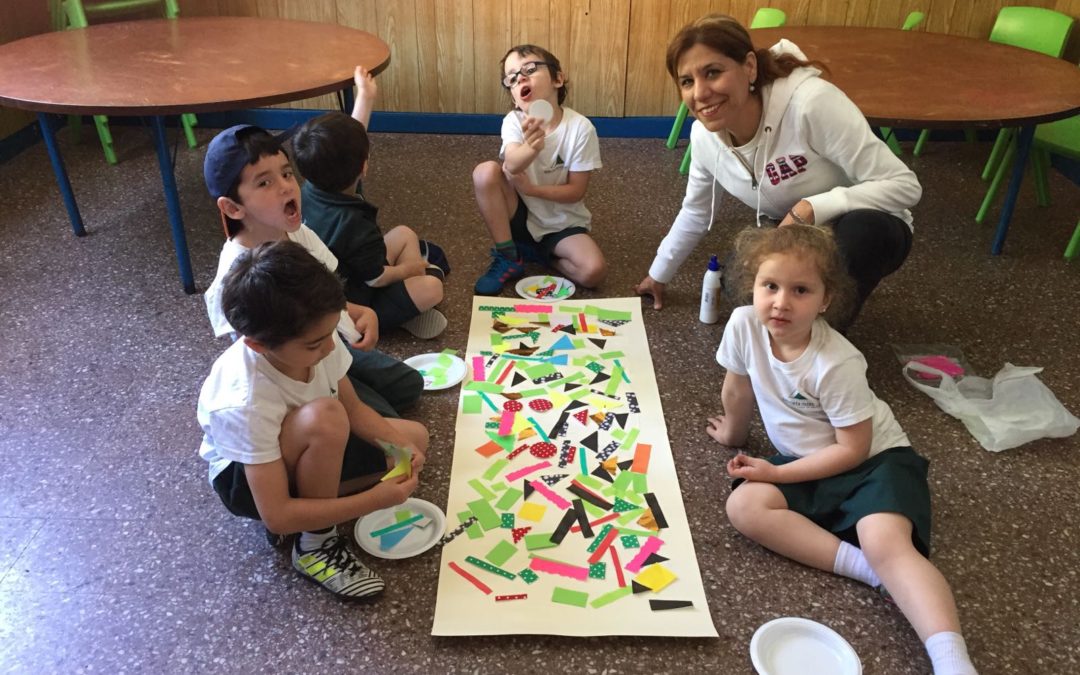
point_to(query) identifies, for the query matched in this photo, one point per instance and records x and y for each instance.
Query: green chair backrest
(1035, 28)
(77, 10)
(768, 17)
(913, 20)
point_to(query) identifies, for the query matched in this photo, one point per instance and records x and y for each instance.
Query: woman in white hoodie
(778, 137)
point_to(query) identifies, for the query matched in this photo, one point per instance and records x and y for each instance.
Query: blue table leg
(1023, 148)
(172, 203)
(61, 174)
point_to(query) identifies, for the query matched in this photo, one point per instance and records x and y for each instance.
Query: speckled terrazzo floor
(119, 557)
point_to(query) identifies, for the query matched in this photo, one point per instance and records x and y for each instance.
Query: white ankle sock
(309, 541)
(948, 654)
(851, 563)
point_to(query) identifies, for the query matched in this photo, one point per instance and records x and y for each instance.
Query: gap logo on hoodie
(783, 168)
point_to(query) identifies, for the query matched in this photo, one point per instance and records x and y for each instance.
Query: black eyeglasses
(527, 69)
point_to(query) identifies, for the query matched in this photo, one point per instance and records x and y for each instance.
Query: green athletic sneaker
(337, 569)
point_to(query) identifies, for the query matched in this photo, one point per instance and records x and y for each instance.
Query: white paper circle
(541, 110)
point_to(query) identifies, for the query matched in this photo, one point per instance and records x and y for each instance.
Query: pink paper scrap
(506, 424)
(651, 545)
(478, 368)
(549, 495)
(510, 477)
(533, 309)
(562, 569)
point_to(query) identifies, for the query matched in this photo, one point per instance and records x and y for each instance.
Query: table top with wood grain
(932, 80)
(198, 64)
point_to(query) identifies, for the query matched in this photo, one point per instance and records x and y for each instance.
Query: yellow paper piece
(532, 512)
(525, 433)
(601, 402)
(558, 399)
(403, 467)
(501, 349)
(520, 422)
(611, 465)
(655, 577)
(513, 320)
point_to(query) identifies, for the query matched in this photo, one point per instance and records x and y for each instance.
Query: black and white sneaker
(337, 569)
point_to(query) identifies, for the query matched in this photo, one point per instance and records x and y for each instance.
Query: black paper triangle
(601, 472)
(600, 377)
(621, 419)
(528, 489)
(638, 588)
(598, 342)
(518, 379)
(653, 559)
(592, 440)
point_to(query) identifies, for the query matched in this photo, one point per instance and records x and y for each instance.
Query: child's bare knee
(739, 507)
(487, 174)
(593, 273)
(404, 233)
(323, 419)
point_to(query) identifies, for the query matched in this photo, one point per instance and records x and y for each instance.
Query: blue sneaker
(502, 269)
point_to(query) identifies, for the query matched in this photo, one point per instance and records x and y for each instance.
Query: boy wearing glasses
(531, 200)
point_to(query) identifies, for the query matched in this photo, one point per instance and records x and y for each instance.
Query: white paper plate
(415, 543)
(541, 110)
(455, 372)
(794, 646)
(538, 280)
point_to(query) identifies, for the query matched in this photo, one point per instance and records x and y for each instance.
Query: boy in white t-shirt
(531, 201)
(251, 179)
(286, 437)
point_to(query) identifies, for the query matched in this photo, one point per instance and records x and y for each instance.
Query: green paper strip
(614, 315)
(622, 371)
(472, 404)
(575, 377)
(474, 531)
(608, 598)
(539, 429)
(532, 393)
(487, 400)
(582, 461)
(578, 343)
(612, 355)
(486, 493)
(622, 482)
(402, 515)
(488, 567)
(570, 309)
(508, 499)
(495, 468)
(540, 370)
(631, 438)
(449, 351)
(614, 382)
(488, 387)
(504, 442)
(641, 482)
(496, 339)
(630, 516)
(599, 538)
(565, 596)
(579, 393)
(619, 435)
(489, 520)
(496, 370)
(502, 552)
(498, 487)
(593, 509)
(593, 482)
(535, 542)
(396, 526)
(636, 533)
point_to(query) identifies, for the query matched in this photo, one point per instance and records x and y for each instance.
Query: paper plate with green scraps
(545, 288)
(440, 371)
(401, 531)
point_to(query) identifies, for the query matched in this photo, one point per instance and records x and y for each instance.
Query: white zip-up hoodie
(812, 143)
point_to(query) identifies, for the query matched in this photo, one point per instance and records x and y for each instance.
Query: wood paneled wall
(445, 53)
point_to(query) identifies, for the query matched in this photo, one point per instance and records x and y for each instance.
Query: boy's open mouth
(525, 91)
(291, 208)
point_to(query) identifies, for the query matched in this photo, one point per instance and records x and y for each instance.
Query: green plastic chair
(73, 14)
(1053, 138)
(1035, 28)
(766, 17)
(910, 23)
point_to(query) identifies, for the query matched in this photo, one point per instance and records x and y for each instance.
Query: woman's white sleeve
(838, 131)
(690, 225)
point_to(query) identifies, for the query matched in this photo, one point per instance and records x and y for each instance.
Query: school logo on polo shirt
(557, 165)
(800, 401)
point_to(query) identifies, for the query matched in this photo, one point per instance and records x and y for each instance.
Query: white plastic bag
(1010, 410)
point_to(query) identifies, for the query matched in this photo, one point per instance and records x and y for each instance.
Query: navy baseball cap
(226, 157)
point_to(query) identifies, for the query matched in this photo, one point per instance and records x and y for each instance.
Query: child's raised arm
(733, 426)
(519, 156)
(366, 91)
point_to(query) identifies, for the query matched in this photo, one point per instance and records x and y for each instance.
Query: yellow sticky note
(532, 512)
(521, 422)
(655, 577)
(402, 468)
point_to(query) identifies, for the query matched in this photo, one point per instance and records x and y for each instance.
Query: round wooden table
(166, 67)
(930, 80)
